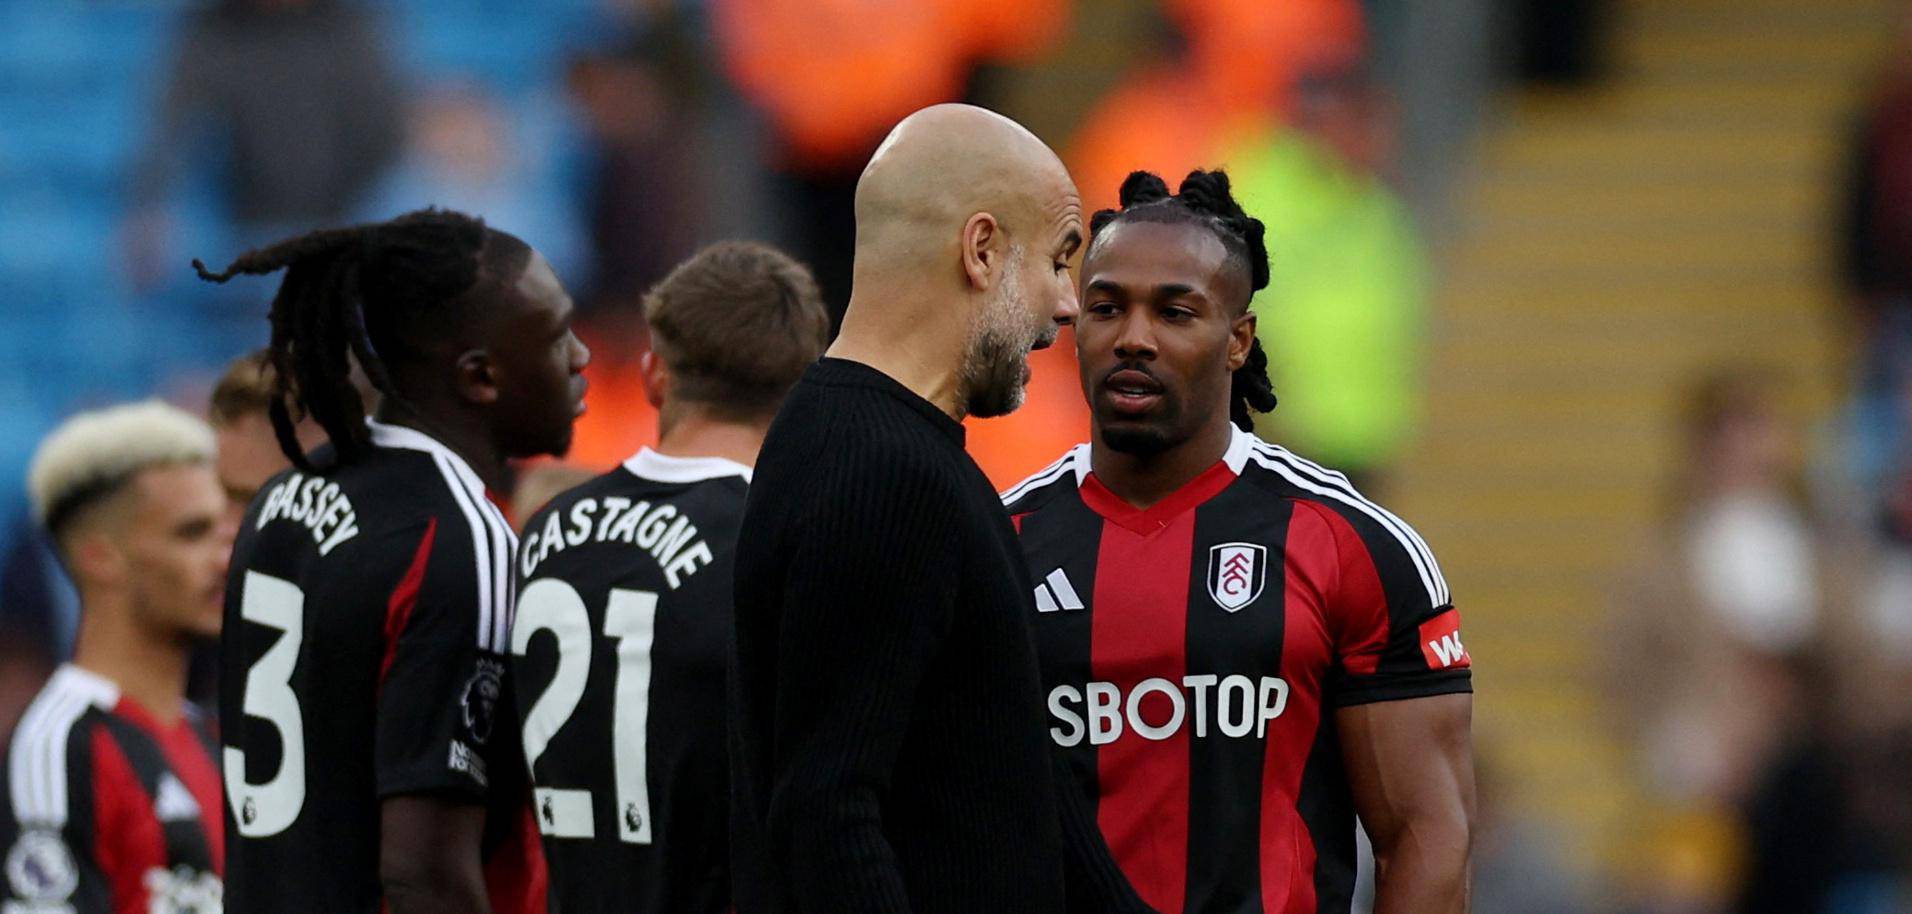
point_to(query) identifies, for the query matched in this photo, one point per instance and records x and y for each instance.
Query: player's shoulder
(41, 752)
(713, 485)
(1043, 487)
(1397, 549)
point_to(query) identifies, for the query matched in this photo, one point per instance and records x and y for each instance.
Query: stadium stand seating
(77, 83)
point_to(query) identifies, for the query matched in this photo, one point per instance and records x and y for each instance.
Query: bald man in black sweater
(889, 750)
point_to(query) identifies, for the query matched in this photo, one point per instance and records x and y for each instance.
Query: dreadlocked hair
(368, 292)
(1204, 199)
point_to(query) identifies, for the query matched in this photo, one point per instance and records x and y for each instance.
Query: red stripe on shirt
(398, 609)
(1138, 632)
(1312, 576)
(1360, 610)
(127, 839)
(186, 757)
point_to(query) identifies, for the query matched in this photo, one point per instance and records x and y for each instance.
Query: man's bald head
(965, 224)
(946, 163)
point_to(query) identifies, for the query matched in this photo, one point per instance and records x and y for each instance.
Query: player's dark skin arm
(429, 856)
(1411, 767)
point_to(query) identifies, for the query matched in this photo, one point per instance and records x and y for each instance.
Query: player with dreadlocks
(372, 761)
(1240, 652)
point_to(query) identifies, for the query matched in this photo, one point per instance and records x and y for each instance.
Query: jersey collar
(651, 465)
(99, 690)
(1192, 494)
(410, 439)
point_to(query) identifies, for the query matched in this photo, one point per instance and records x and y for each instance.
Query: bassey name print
(1156, 709)
(669, 536)
(320, 506)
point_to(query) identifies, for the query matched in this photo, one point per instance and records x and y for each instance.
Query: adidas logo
(174, 803)
(1056, 593)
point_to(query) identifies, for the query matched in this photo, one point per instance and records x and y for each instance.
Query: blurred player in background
(624, 619)
(369, 764)
(887, 748)
(112, 800)
(241, 415)
(1241, 652)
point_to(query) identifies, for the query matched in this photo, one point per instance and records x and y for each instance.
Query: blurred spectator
(1877, 266)
(643, 207)
(1711, 633)
(1228, 69)
(1723, 603)
(301, 99)
(1343, 316)
(833, 76)
(465, 151)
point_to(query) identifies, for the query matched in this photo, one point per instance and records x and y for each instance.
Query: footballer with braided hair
(371, 751)
(1240, 651)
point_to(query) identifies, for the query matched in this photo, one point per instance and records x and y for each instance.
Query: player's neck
(471, 444)
(1143, 480)
(148, 668)
(696, 435)
(925, 358)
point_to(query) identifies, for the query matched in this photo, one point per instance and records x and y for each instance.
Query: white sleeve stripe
(502, 549)
(1047, 475)
(482, 554)
(1400, 526)
(1435, 590)
(1042, 477)
(37, 762)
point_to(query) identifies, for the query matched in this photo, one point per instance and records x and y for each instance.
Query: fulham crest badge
(1236, 572)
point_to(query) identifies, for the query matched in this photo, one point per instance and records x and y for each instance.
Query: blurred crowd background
(1612, 298)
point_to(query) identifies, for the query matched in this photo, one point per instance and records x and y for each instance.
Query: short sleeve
(441, 675)
(1397, 633)
(81, 841)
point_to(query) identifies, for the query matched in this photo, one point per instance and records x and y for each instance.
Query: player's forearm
(1424, 870)
(429, 858)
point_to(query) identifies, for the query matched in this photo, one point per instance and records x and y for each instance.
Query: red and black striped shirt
(106, 809)
(1192, 653)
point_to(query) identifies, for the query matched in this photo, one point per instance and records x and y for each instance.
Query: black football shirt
(1193, 656)
(367, 615)
(618, 652)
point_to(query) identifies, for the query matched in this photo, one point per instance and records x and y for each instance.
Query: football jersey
(107, 810)
(618, 653)
(1193, 655)
(366, 622)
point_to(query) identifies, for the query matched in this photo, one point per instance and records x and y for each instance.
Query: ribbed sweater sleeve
(867, 600)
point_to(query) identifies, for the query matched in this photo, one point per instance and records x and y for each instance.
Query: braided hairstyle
(1204, 200)
(374, 293)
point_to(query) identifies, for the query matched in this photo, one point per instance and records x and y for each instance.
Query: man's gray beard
(997, 355)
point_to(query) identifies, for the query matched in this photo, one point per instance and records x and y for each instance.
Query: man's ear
(91, 554)
(477, 377)
(1241, 339)
(985, 252)
(656, 376)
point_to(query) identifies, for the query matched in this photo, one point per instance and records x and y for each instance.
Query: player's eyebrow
(1160, 292)
(1071, 242)
(192, 527)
